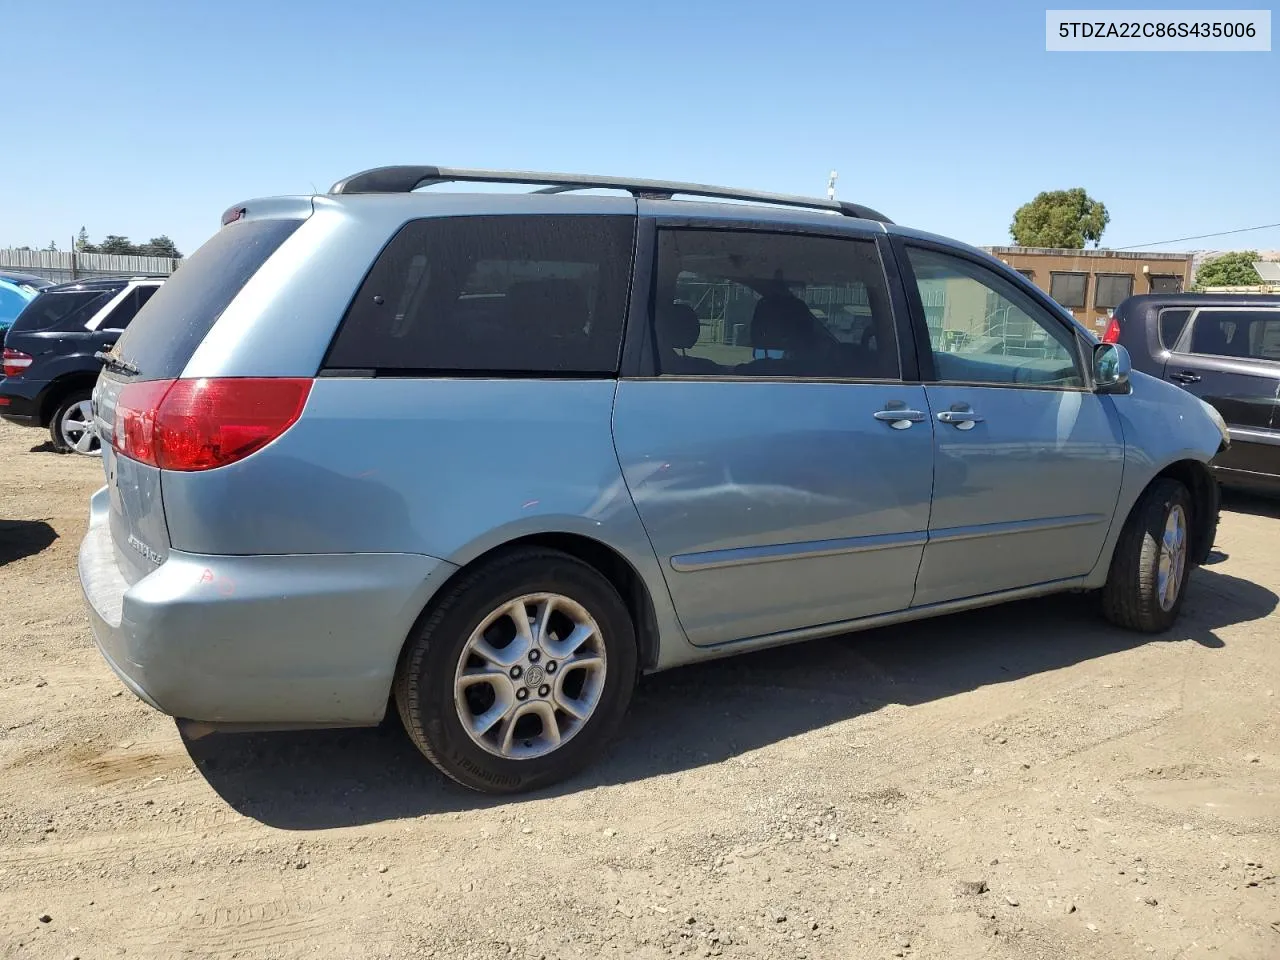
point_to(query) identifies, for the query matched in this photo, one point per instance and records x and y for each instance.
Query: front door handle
(960, 419)
(899, 417)
(1186, 376)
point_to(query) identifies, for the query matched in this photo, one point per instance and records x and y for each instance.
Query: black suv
(49, 354)
(1224, 348)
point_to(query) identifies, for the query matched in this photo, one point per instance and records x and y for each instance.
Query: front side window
(1251, 334)
(493, 294)
(983, 329)
(1113, 289)
(1068, 288)
(754, 304)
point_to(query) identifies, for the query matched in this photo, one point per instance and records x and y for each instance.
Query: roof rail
(403, 179)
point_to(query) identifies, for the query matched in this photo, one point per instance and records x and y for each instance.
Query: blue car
(16, 291)
(491, 456)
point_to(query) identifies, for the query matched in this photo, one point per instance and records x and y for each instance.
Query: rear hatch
(154, 352)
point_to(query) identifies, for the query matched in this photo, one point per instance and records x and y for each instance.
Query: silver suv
(491, 456)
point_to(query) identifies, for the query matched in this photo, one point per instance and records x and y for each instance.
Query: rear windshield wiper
(116, 365)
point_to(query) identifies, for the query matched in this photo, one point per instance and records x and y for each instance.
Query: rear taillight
(15, 362)
(206, 423)
(1112, 334)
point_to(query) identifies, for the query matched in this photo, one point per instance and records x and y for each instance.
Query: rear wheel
(1151, 565)
(520, 674)
(72, 427)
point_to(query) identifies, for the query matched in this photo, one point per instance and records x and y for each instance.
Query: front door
(1230, 358)
(781, 466)
(1027, 460)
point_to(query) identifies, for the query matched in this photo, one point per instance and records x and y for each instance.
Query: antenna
(831, 185)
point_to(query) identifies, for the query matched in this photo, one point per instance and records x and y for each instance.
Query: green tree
(1233, 269)
(82, 242)
(114, 243)
(1059, 218)
(52, 247)
(161, 246)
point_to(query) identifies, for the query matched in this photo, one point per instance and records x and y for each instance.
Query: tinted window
(12, 303)
(771, 305)
(983, 329)
(127, 308)
(1237, 333)
(1068, 288)
(1171, 323)
(502, 294)
(1113, 289)
(65, 309)
(186, 307)
(1166, 284)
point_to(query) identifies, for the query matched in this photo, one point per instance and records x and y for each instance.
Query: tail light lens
(15, 362)
(206, 423)
(1112, 333)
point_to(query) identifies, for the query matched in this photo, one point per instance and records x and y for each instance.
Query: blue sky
(148, 118)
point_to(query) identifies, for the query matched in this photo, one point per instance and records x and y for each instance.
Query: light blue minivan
(490, 456)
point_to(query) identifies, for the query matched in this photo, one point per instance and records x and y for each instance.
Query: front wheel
(520, 674)
(1150, 567)
(72, 428)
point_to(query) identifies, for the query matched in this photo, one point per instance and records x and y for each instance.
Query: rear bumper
(304, 639)
(19, 406)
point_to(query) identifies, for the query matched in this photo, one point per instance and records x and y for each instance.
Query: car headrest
(781, 323)
(560, 306)
(678, 326)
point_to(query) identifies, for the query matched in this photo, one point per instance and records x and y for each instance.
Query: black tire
(61, 442)
(424, 685)
(1131, 596)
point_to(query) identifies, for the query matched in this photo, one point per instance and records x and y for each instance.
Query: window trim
(1084, 294)
(640, 347)
(1082, 338)
(1183, 346)
(1097, 305)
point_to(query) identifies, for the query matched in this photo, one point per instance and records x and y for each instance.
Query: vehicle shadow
(23, 538)
(702, 714)
(1256, 504)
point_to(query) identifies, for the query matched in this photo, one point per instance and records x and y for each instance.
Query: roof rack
(403, 179)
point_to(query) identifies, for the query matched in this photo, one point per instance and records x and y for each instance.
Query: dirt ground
(1110, 795)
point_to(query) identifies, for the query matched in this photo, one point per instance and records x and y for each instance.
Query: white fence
(60, 267)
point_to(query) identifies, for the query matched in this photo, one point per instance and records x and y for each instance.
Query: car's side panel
(1161, 425)
(449, 468)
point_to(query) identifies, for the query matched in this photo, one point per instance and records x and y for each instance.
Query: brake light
(1112, 333)
(15, 361)
(206, 423)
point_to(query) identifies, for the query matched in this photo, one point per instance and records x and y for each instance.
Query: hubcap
(78, 431)
(530, 676)
(1173, 558)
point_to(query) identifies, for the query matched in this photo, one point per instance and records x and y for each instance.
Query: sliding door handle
(960, 419)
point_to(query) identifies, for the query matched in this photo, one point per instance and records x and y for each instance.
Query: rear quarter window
(1172, 322)
(493, 294)
(166, 332)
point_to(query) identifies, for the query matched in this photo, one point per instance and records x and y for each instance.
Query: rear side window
(64, 309)
(1172, 322)
(493, 294)
(127, 308)
(177, 318)
(1237, 333)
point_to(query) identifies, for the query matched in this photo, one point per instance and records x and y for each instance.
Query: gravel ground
(1018, 782)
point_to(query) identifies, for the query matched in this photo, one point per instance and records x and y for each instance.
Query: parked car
(16, 291)
(1225, 349)
(496, 454)
(50, 361)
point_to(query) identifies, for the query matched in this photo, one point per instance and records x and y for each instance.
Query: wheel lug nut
(533, 656)
(515, 673)
(544, 690)
(522, 693)
(551, 666)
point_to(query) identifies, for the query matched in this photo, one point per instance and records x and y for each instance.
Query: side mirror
(1111, 368)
